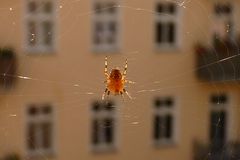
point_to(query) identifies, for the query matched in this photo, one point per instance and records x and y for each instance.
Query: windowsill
(165, 144)
(41, 155)
(102, 50)
(40, 51)
(167, 48)
(104, 149)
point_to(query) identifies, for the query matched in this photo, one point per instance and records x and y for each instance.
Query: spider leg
(125, 69)
(104, 93)
(125, 91)
(106, 67)
(122, 95)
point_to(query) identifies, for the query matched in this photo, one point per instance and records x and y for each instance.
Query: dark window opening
(168, 123)
(159, 35)
(95, 132)
(218, 128)
(108, 130)
(46, 135)
(171, 33)
(31, 136)
(159, 8)
(172, 8)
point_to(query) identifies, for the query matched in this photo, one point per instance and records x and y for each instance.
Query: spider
(115, 81)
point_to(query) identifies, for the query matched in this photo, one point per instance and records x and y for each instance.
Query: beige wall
(54, 75)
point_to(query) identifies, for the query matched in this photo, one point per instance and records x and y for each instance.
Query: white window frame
(103, 146)
(167, 18)
(105, 19)
(39, 18)
(174, 112)
(223, 18)
(40, 152)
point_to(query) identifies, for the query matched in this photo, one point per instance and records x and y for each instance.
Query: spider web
(177, 82)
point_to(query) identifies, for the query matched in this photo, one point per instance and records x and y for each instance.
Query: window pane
(95, 131)
(111, 7)
(159, 30)
(46, 135)
(159, 102)
(32, 7)
(98, 34)
(112, 32)
(159, 8)
(47, 7)
(46, 110)
(219, 99)
(168, 126)
(98, 8)
(47, 31)
(157, 128)
(218, 128)
(32, 31)
(171, 33)
(31, 136)
(172, 8)
(169, 102)
(32, 111)
(108, 127)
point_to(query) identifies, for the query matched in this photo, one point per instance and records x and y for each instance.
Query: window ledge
(165, 144)
(103, 150)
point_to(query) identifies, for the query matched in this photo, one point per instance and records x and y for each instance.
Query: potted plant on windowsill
(7, 66)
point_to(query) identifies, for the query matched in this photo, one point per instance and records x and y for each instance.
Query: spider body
(115, 81)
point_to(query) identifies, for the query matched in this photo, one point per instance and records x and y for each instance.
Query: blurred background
(182, 54)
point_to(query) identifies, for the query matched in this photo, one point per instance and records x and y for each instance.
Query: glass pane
(159, 8)
(168, 126)
(171, 33)
(32, 111)
(169, 102)
(95, 131)
(218, 128)
(159, 31)
(98, 8)
(159, 103)
(112, 32)
(47, 32)
(46, 135)
(32, 6)
(31, 136)
(98, 36)
(96, 107)
(32, 33)
(111, 7)
(157, 129)
(219, 99)
(172, 8)
(108, 127)
(47, 7)
(46, 109)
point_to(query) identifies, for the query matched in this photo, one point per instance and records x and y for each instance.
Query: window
(166, 24)
(223, 23)
(39, 26)
(105, 25)
(218, 119)
(39, 130)
(164, 120)
(103, 125)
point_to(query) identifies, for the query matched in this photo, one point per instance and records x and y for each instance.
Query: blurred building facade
(183, 56)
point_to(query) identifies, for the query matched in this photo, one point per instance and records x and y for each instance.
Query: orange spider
(115, 82)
